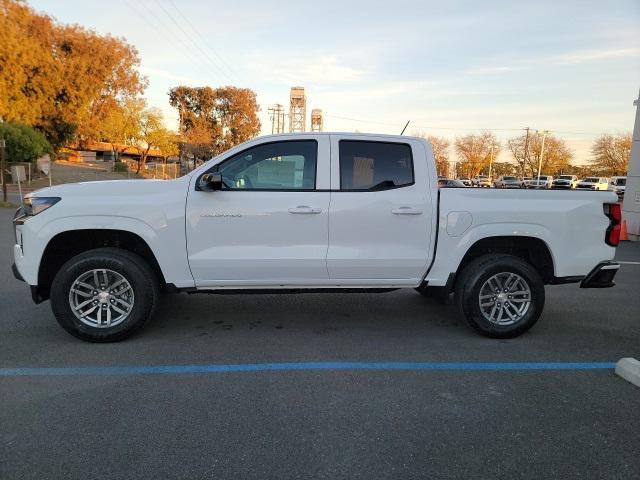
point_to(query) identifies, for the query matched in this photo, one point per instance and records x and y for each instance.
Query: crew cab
(308, 212)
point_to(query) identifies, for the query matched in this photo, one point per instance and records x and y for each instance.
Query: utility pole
(276, 112)
(3, 144)
(544, 136)
(526, 152)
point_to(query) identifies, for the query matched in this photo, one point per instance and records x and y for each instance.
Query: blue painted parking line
(266, 367)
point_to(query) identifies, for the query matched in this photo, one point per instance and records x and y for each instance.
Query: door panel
(384, 234)
(250, 237)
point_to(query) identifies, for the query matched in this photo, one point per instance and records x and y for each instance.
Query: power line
(204, 40)
(187, 50)
(419, 126)
(195, 44)
(431, 127)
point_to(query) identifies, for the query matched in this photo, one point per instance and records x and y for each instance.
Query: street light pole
(3, 144)
(544, 136)
(490, 161)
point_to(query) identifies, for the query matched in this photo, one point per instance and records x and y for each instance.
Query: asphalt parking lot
(322, 423)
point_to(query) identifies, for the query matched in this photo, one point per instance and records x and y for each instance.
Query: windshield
(621, 182)
(592, 179)
(565, 177)
(509, 178)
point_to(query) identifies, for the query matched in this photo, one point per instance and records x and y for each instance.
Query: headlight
(34, 205)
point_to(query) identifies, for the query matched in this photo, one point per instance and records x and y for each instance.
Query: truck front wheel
(104, 295)
(501, 296)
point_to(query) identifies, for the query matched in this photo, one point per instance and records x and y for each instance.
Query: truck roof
(346, 134)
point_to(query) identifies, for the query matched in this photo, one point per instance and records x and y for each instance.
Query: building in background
(316, 120)
(297, 110)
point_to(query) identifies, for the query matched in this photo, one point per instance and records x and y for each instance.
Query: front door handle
(305, 209)
(406, 211)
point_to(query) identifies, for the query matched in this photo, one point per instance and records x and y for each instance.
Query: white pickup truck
(309, 212)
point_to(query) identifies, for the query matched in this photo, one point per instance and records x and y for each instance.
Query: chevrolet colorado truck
(309, 212)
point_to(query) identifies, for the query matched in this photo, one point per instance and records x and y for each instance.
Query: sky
(449, 67)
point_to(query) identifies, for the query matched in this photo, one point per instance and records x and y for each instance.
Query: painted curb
(629, 369)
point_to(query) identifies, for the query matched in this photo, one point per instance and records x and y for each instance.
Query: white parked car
(593, 183)
(565, 182)
(308, 212)
(618, 186)
(507, 181)
(543, 181)
(481, 181)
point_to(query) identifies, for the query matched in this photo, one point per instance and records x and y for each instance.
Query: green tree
(23, 143)
(611, 154)
(121, 125)
(152, 134)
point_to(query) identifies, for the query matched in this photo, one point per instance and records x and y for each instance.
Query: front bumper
(601, 276)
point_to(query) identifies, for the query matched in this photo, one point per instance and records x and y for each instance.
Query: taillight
(612, 210)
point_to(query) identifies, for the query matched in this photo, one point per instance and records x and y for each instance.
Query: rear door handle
(305, 209)
(406, 211)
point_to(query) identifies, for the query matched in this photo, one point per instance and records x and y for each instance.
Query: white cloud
(490, 70)
(321, 70)
(591, 55)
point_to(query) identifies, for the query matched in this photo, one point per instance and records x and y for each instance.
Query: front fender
(165, 238)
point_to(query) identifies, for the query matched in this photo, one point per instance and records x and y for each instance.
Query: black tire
(470, 282)
(132, 267)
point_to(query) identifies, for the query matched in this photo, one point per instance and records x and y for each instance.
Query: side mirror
(211, 181)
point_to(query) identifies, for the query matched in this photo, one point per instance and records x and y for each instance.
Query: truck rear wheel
(501, 296)
(104, 295)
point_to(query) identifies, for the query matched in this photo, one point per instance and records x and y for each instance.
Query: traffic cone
(623, 231)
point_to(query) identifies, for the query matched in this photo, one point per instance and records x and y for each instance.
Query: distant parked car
(524, 181)
(466, 181)
(450, 183)
(507, 181)
(481, 181)
(566, 182)
(593, 183)
(618, 185)
(543, 181)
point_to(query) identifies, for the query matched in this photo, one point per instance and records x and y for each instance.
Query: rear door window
(371, 166)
